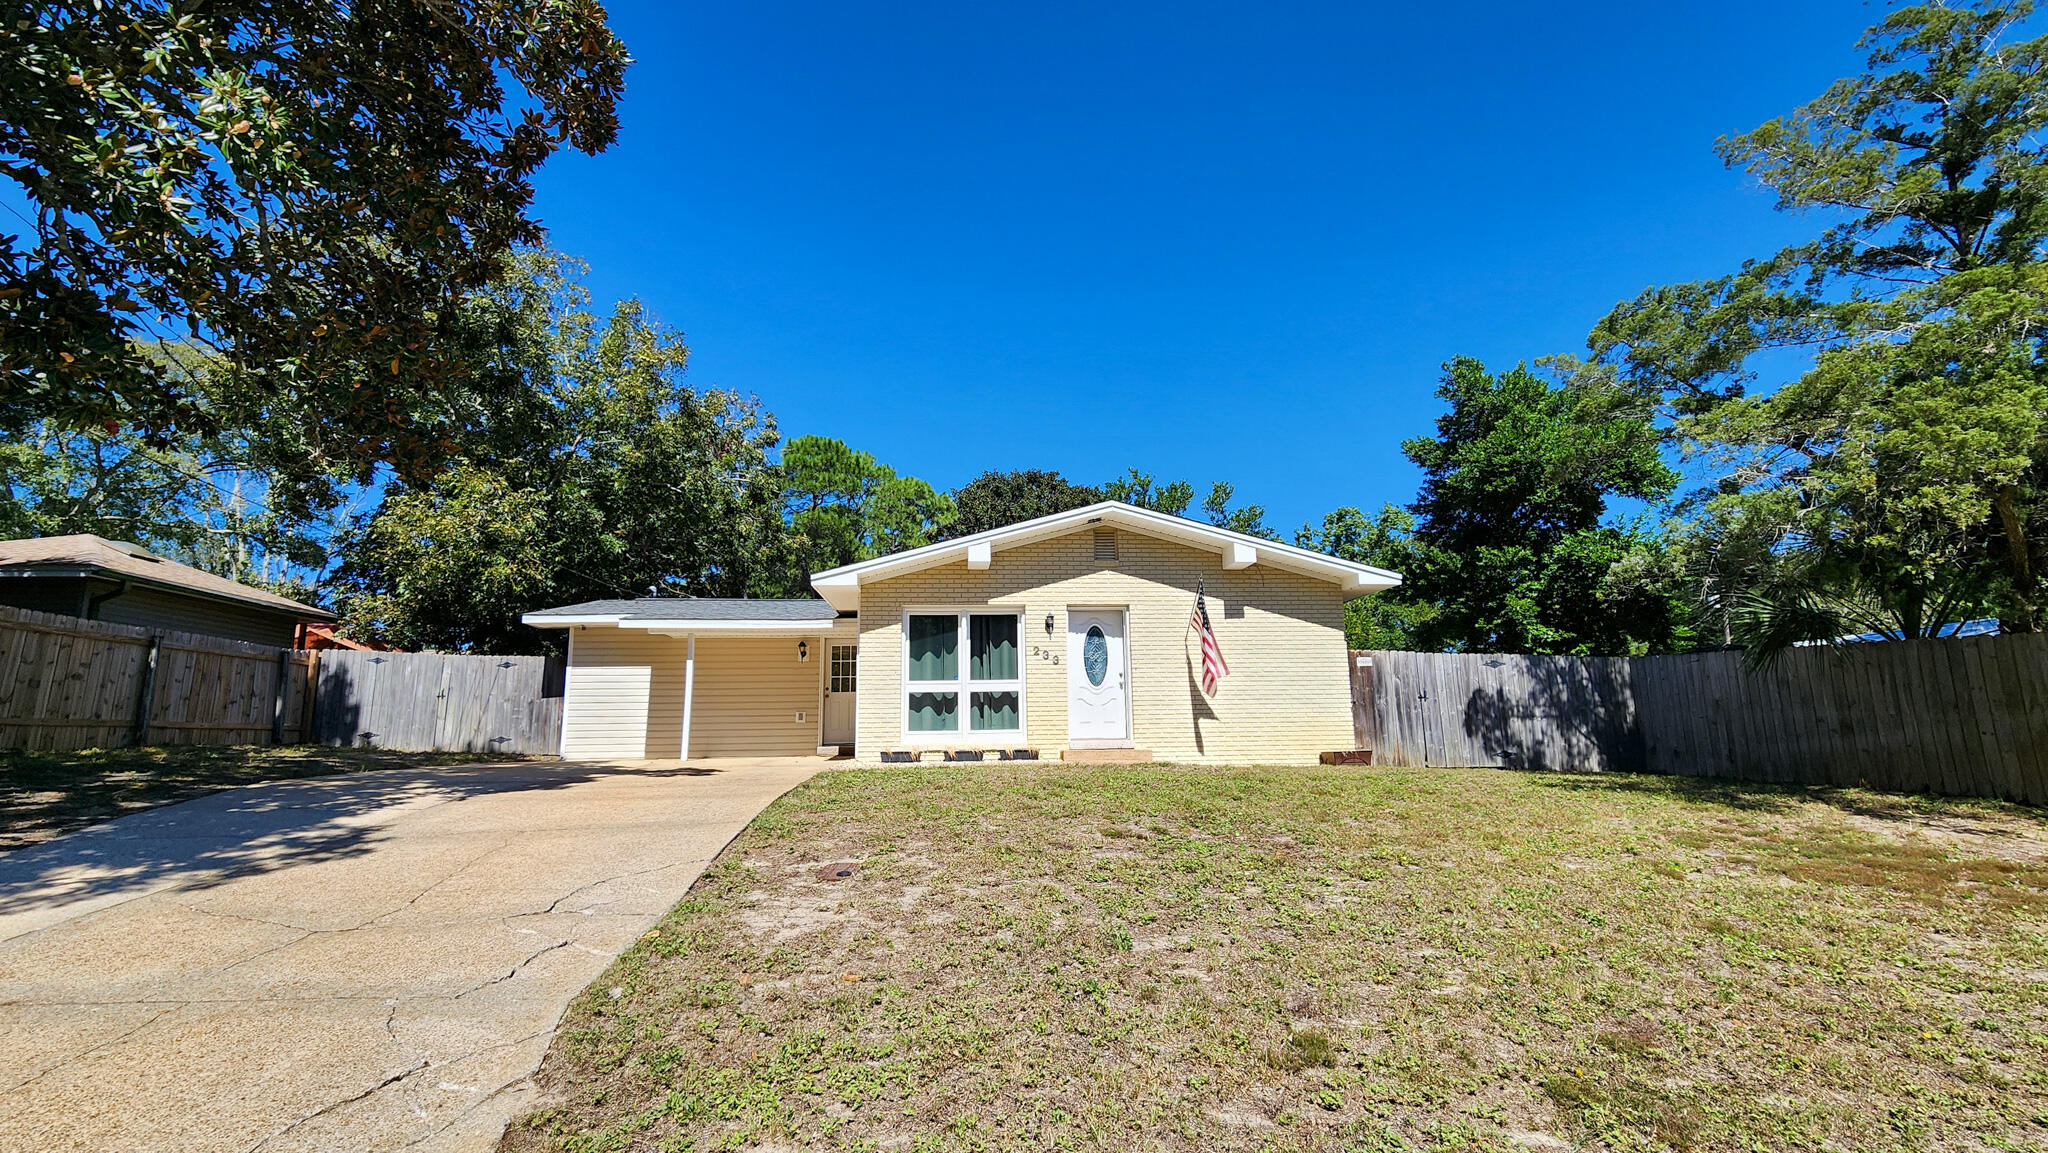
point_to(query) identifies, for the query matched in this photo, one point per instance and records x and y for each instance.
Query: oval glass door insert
(1095, 655)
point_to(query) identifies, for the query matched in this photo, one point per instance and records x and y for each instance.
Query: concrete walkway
(366, 962)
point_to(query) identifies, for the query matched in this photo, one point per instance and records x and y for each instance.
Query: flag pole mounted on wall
(1213, 666)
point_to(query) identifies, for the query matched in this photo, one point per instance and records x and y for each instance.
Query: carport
(699, 677)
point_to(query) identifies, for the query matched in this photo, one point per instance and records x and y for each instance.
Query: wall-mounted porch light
(803, 651)
(1048, 624)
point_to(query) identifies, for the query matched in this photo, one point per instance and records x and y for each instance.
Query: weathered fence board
(1363, 730)
(1483, 709)
(69, 683)
(1963, 716)
(437, 701)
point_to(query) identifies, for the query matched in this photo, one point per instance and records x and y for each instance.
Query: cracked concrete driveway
(365, 962)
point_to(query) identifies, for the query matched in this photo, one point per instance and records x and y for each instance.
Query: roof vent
(132, 549)
(1105, 545)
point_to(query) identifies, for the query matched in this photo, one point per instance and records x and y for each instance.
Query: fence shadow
(337, 715)
(257, 829)
(1953, 813)
(1955, 717)
(439, 701)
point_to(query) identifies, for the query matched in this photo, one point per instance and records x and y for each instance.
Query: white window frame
(965, 736)
(832, 648)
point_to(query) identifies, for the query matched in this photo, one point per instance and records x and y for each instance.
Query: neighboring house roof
(1978, 627)
(841, 586)
(327, 635)
(702, 614)
(85, 555)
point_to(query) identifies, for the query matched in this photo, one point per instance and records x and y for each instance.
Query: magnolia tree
(310, 192)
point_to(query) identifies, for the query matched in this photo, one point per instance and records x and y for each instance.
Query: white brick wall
(1287, 699)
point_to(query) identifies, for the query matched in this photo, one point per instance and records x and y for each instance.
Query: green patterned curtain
(997, 711)
(934, 712)
(992, 648)
(934, 648)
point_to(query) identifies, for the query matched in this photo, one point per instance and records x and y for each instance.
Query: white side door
(1097, 677)
(839, 695)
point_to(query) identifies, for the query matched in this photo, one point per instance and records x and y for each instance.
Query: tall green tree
(199, 496)
(1897, 476)
(311, 189)
(195, 500)
(1384, 620)
(845, 506)
(1249, 520)
(611, 479)
(995, 499)
(1173, 498)
(1512, 546)
(1143, 490)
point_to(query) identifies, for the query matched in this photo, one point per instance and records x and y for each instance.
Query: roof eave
(559, 621)
(673, 625)
(841, 592)
(86, 570)
(840, 586)
(678, 625)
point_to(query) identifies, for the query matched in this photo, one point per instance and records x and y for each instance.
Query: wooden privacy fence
(1962, 716)
(436, 701)
(1511, 711)
(69, 683)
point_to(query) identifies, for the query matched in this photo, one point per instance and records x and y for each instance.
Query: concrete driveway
(365, 962)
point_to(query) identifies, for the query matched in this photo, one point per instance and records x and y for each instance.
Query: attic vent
(1105, 545)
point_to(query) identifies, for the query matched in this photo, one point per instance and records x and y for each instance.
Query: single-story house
(89, 576)
(1069, 634)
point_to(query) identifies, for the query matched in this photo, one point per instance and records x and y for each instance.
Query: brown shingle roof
(87, 555)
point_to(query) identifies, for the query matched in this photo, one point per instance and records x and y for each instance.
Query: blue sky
(1220, 242)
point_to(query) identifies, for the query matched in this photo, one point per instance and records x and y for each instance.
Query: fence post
(1362, 726)
(309, 701)
(284, 668)
(145, 697)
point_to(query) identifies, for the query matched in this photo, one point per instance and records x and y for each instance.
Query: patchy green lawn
(45, 794)
(1060, 957)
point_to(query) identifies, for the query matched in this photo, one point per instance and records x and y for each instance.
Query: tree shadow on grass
(277, 825)
(1750, 796)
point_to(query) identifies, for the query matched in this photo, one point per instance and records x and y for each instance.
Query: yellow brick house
(1064, 636)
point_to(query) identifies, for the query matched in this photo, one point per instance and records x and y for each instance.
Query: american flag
(1213, 666)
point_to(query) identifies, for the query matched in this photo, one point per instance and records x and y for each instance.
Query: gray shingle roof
(699, 609)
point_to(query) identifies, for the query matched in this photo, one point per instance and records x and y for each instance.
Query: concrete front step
(1108, 756)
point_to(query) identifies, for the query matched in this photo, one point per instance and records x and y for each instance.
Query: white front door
(1097, 662)
(839, 695)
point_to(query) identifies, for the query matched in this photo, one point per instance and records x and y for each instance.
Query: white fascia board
(556, 621)
(841, 586)
(681, 627)
(842, 591)
(1374, 582)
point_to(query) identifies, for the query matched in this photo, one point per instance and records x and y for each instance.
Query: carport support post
(689, 690)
